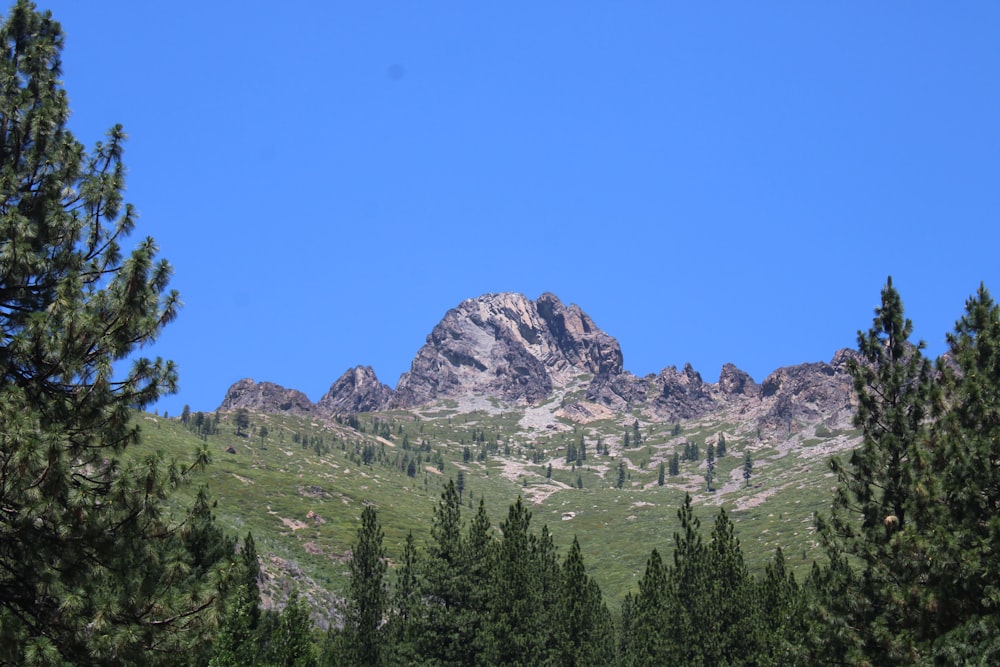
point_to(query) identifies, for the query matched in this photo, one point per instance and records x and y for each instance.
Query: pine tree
(238, 642)
(621, 474)
(870, 519)
(959, 495)
(401, 626)
(747, 467)
(783, 615)
(585, 633)
(440, 630)
(720, 447)
(92, 566)
(517, 620)
(646, 639)
(241, 420)
(675, 465)
(291, 645)
(367, 596)
(661, 474)
(710, 467)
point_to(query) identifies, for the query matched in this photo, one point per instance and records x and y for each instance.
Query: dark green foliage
(368, 597)
(747, 467)
(706, 609)
(661, 474)
(584, 631)
(690, 451)
(241, 420)
(880, 495)
(675, 465)
(441, 629)
(290, 643)
(917, 509)
(621, 474)
(514, 628)
(93, 568)
(783, 621)
(710, 467)
(720, 447)
(401, 624)
(645, 635)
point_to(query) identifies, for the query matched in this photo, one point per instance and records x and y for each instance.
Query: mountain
(508, 347)
(265, 397)
(522, 352)
(357, 390)
(528, 398)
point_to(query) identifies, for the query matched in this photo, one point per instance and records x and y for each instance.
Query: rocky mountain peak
(521, 351)
(357, 390)
(508, 346)
(265, 397)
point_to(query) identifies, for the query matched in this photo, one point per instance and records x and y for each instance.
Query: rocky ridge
(521, 352)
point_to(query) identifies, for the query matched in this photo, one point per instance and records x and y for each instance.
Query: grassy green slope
(303, 506)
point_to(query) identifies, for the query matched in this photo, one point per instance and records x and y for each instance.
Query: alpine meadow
(519, 498)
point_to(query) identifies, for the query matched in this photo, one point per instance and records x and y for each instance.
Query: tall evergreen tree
(871, 513)
(584, 629)
(441, 636)
(239, 642)
(401, 626)
(959, 507)
(515, 631)
(92, 567)
(646, 639)
(290, 644)
(367, 597)
(710, 467)
(782, 624)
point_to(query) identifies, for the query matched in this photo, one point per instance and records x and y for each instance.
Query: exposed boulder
(265, 397)
(357, 390)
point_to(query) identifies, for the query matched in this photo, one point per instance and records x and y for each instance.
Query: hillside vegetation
(301, 487)
(842, 513)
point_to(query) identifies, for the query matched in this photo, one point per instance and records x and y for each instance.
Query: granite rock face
(265, 397)
(522, 352)
(357, 390)
(509, 347)
(809, 392)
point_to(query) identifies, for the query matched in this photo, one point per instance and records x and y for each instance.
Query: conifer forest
(109, 556)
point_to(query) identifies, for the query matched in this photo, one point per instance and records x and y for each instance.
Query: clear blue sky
(711, 182)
